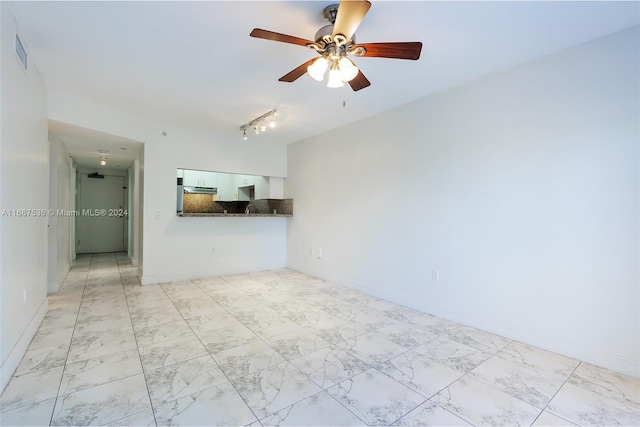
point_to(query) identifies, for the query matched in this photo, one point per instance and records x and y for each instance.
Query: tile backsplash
(207, 203)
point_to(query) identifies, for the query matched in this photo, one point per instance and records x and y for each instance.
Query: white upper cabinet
(224, 187)
(262, 187)
(209, 179)
(193, 178)
(246, 180)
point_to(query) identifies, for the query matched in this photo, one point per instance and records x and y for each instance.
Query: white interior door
(101, 228)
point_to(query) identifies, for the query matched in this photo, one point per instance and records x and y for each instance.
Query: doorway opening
(101, 225)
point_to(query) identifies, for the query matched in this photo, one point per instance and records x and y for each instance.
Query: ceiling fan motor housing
(324, 35)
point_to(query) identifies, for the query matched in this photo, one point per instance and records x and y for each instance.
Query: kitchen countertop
(234, 215)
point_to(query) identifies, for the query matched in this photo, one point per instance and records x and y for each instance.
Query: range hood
(200, 190)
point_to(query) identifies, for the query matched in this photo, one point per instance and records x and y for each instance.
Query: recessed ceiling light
(123, 148)
(103, 151)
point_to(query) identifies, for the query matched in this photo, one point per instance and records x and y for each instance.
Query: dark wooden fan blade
(277, 37)
(395, 50)
(359, 82)
(295, 74)
(350, 15)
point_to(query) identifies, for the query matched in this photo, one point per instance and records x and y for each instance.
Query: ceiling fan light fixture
(335, 78)
(348, 70)
(318, 68)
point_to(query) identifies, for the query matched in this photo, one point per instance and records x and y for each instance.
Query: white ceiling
(85, 145)
(194, 64)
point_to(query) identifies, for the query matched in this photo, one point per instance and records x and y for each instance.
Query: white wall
(178, 248)
(59, 244)
(521, 189)
(23, 185)
(175, 248)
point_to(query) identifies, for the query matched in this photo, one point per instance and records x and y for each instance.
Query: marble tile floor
(282, 348)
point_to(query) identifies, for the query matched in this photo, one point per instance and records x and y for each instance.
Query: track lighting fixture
(259, 124)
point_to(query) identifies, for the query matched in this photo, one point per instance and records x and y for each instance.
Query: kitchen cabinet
(244, 187)
(193, 178)
(232, 187)
(262, 187)
(209, 179)
(239, 181)
(224, 187)
(246, 180)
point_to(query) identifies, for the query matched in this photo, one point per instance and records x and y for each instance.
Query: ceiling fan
(336, 42)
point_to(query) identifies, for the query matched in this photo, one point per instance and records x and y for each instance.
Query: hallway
(283, 348)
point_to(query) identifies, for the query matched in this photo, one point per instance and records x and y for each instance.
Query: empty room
(316, 213)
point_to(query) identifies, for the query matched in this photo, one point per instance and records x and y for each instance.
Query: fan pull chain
(344, 96)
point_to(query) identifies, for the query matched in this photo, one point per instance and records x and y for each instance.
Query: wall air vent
(22, 54)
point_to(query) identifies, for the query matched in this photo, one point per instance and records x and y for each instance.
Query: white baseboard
(595, 356)
(13, 360)
(52, 288)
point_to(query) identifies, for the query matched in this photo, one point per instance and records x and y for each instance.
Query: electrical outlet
(310, 251)
(435, 275)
